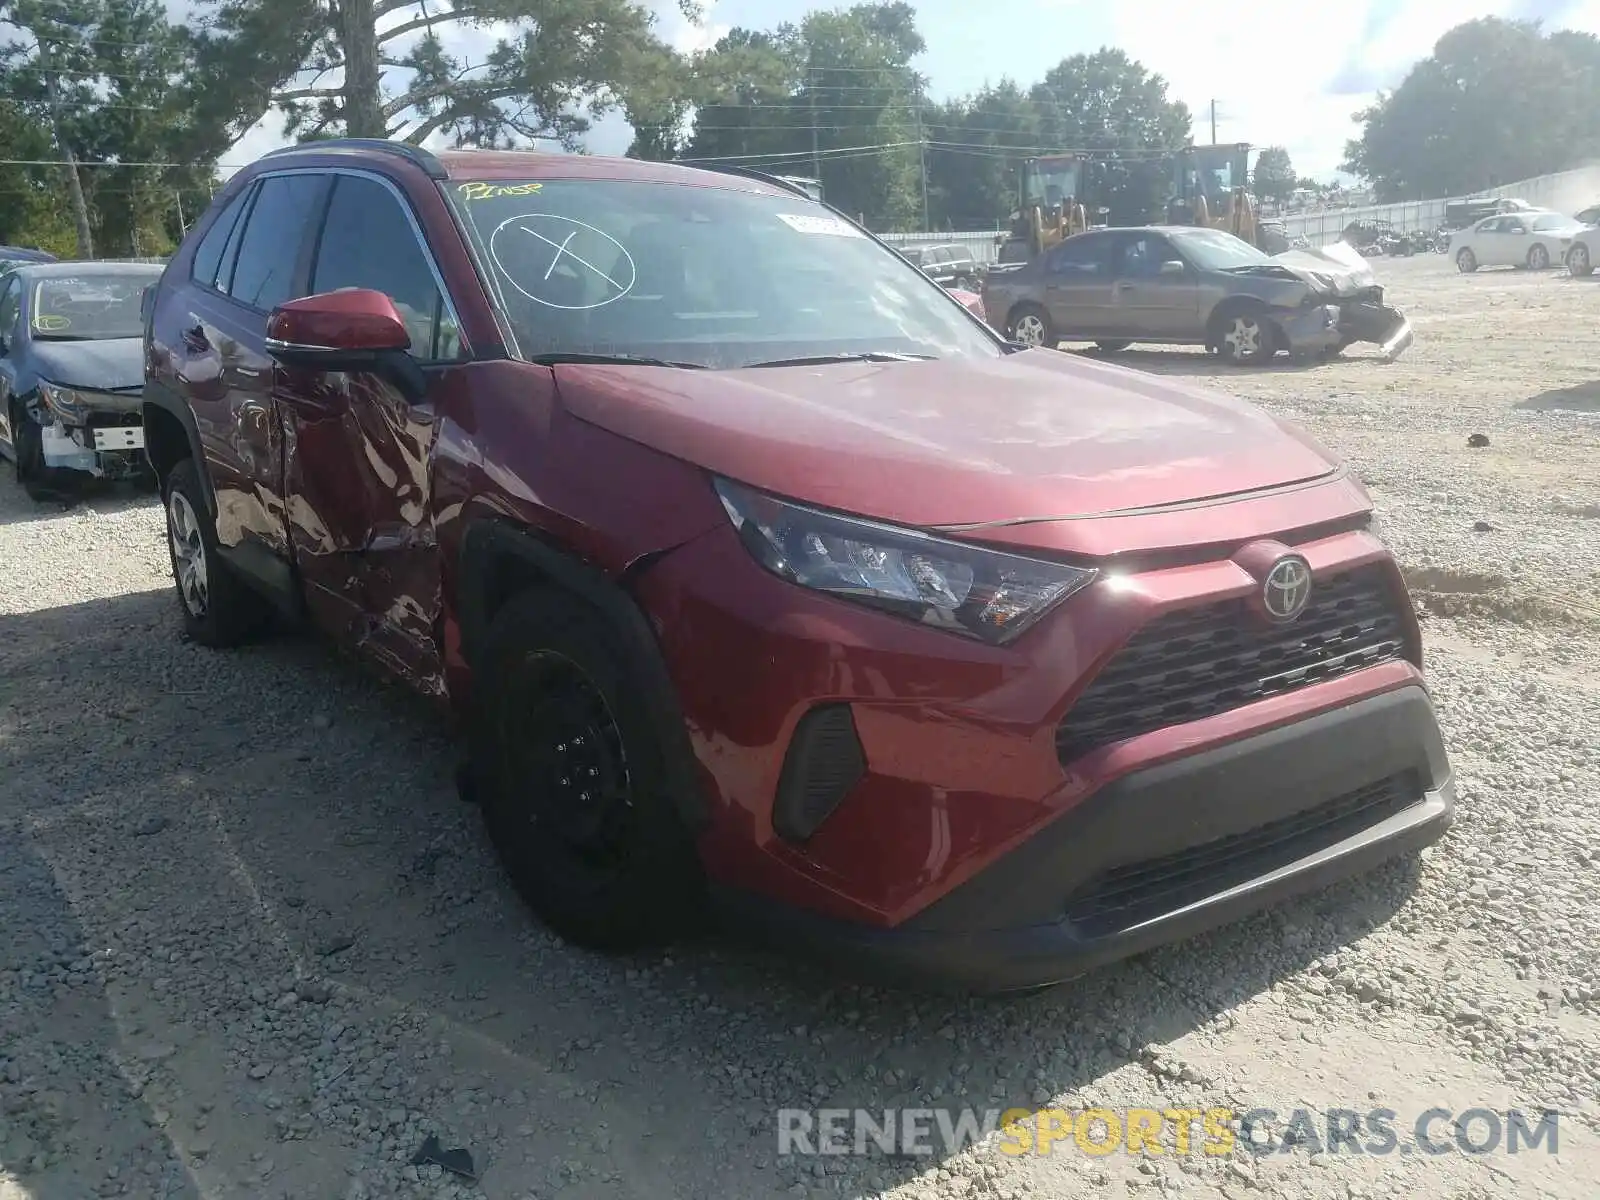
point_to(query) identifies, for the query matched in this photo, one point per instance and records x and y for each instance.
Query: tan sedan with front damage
(1189, 286)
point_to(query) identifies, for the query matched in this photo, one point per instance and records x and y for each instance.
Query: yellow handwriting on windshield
(51, 323)
(488, 191)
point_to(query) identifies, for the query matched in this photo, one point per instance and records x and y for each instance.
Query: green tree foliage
(116, 69)
(844, 75)
(382, 68)
(1116, 108)
(847, 75)
(1274, 177)
(981, 142)
(1496, 101)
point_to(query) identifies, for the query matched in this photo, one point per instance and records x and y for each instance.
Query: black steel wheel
(570, 772)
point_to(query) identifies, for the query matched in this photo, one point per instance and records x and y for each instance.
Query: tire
(1466, 261)
(1031, 325)
(1244, 337)
(560, 701)
(1538, 257)
(219, 609)
(1578, 260)
(42, 484)
(1112, 345)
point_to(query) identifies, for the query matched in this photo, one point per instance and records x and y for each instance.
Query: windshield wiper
(814, 360)
(627, 360)
(61, 337)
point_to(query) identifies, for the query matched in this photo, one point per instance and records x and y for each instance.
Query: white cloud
(1274, 79)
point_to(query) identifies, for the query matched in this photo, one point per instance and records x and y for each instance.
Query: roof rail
(415, 154)
(746, 172)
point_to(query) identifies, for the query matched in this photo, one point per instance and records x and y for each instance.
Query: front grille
(1127, 896)
(1199, 662)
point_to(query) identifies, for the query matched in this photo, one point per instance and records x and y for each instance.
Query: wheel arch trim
(491, 546)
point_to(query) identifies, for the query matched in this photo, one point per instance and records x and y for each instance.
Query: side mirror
(356, 329)
(1172, 267)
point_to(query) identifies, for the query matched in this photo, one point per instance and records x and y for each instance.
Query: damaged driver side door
(358, 453)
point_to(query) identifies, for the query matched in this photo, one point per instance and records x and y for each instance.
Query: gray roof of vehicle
(77, 270)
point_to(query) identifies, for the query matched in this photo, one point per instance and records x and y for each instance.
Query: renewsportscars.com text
(1166, 1131)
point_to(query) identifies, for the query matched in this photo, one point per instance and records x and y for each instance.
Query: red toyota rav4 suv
(759, 571)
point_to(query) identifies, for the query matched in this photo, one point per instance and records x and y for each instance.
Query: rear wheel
(1538, 258)
(1031, 326)
(218, 608)
(1466, 261)
(572, 779)
(1578, 262)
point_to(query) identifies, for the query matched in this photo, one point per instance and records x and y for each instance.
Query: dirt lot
(251, 943)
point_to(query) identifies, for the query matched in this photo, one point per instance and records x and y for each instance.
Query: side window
(10, 307)
(1140, 257)
(367, 242)
(208, 254)
(274, 232)
(1082, 257)
(1514, 225)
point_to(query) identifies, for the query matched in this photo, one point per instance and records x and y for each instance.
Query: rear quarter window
(208, 254)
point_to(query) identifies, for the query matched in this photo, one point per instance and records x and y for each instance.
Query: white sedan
(1537, 239)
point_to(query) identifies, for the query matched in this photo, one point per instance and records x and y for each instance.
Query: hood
(105, 366)
(1036, 434)
(1338, 267)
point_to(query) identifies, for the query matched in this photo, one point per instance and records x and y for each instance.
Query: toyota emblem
(1287, 588)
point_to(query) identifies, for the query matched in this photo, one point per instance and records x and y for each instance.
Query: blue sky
(1278, 78)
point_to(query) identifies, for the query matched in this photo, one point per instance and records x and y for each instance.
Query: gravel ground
(251, 944)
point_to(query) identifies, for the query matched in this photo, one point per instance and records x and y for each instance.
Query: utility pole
(922, 149)
(816, 156)
(80, 208)
(1213, 122)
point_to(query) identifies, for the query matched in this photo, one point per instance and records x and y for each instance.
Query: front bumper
(1308, 330)
(1167, 852)
(104, 438)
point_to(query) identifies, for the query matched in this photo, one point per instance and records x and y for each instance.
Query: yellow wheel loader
(1211, 188)
(1049, 207)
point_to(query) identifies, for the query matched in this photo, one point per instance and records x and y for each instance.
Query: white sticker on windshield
(811, 223)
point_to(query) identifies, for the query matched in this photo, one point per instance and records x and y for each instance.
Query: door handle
(195, 339)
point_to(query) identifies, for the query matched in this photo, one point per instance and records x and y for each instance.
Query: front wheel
(219, 610)
(1538, 258)
(42, 483)
(1030, 325)
(1245, 338)
(1466, 261)
(572, 775)
(1578, 261)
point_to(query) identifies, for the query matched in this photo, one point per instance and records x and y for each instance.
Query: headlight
(982, 593)
(65, 403)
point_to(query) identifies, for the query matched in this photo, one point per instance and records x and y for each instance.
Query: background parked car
(1584, 252)
(950, 265)
(72, 372)
(1192, 287)
(11, 256)
(1537, 240)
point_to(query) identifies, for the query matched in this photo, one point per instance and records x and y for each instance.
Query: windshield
(1555, 221)
(1215, 250)
(710, 276)
(89, 306)
(1050, 182)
